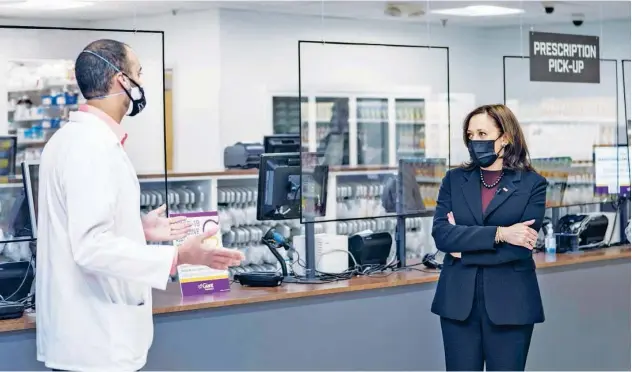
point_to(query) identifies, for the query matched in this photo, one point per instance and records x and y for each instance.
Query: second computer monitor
(284, 187)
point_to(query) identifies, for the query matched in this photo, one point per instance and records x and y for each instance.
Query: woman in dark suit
(488, 214)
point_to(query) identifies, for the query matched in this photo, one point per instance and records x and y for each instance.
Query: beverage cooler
(372, 119)
(288, 115)
(332, 128)
(410, 124)
(383, 128)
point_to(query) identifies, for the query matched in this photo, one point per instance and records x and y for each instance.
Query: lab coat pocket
(131, 332)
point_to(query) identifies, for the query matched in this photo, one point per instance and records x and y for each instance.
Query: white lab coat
(94, 270)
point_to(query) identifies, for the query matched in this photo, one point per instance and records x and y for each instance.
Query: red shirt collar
(116, 127)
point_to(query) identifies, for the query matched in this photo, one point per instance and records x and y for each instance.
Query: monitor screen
(30, 173)
(279, 184)
(15, 219)
(612, 170)
(280, 192)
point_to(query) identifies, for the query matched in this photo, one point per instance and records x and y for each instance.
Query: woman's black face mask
(483, 152)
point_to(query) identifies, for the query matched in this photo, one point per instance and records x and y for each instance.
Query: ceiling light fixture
(479, 11)
(47, 4)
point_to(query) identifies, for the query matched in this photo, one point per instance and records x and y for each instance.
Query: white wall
(192, 51)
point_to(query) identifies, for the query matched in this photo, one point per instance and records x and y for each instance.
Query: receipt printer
(590, 230)
(242, 155)
(370, 248)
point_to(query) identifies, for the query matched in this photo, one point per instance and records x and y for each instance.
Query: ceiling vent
(404, 10)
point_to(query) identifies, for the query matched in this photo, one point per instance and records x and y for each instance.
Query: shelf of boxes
(40, 95)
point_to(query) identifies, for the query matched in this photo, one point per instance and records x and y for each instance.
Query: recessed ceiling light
(47, 4)
(479, 11)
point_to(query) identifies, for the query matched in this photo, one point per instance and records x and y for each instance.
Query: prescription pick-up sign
(564, 58)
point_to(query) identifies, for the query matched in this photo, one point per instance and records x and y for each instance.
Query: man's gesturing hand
(194, 251)
(159, 228)
(520, 234)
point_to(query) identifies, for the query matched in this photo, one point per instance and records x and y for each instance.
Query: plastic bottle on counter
(550, 245)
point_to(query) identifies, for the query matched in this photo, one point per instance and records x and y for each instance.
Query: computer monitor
(16, 280)
(30, 175)
(612, 170)
(282, 143)
(280, 195)
(8, 153)
(15, 219)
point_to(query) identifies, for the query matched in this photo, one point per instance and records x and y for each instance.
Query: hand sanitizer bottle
(550, 245)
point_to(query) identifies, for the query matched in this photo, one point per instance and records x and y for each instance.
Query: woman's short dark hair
(516, 153)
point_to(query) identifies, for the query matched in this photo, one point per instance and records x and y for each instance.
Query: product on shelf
(410, 128)
(41, 93)
(410, 110)
(289, 115)
(372, 109)
(8, 148)
(570, 183)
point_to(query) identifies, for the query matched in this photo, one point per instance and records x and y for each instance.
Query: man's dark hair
(94, 75)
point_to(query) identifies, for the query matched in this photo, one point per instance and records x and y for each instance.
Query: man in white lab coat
(95, 272)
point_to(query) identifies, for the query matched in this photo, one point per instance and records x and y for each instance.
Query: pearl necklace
(493, 184)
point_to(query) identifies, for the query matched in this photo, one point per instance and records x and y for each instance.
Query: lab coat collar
(117, 128)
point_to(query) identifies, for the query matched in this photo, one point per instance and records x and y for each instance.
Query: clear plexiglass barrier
(41, 90)
(361, 125)
(571, 130)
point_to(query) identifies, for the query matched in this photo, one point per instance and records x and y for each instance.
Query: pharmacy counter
(377, 323)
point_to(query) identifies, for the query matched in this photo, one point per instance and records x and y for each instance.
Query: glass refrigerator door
(287, 115)
(372, 118)
(332, 121)
(410, 124)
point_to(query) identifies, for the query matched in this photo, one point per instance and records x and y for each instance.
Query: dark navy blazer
(512, 294)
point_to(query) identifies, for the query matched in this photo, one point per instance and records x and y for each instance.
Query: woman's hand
(520, 234)
(453, 222)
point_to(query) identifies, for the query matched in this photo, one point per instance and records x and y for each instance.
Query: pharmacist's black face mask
(135, 93)
(483, 152)
(137, 97)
